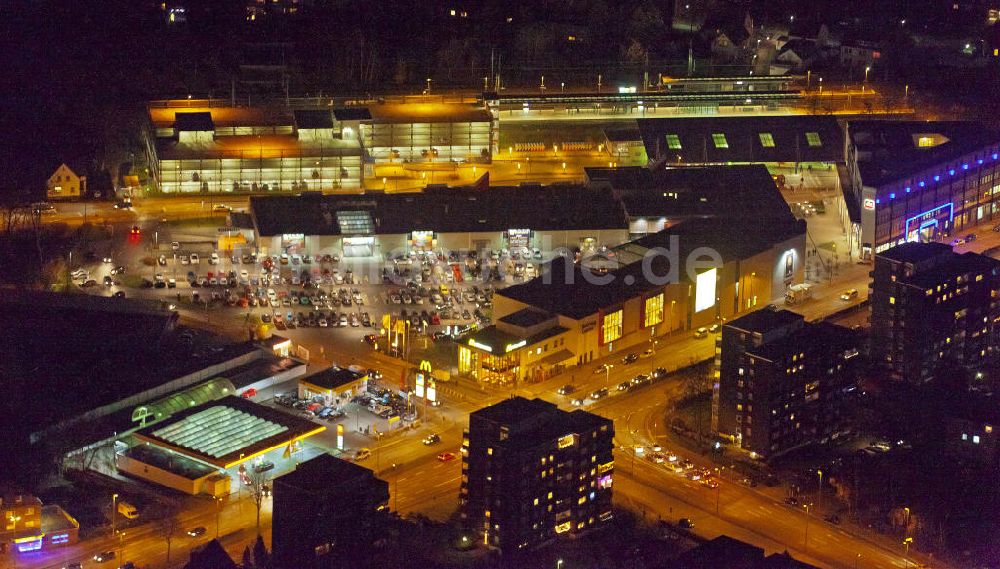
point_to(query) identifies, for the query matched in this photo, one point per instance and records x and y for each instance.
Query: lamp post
(806, 543)
(906, 556)
(218, 509)
(607, 374)
(867, 69)
(114, 512)
(819, 499)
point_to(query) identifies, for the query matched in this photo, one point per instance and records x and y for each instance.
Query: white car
(271, 295)
(213, 259)
(184, 260)
(244, 274)
(195, 259)
(175, 245)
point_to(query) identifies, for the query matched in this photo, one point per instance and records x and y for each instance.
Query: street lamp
(559, 564)
(114, 512)
(806, 544)
(607, 374)
(906, 556)
(218, 508)
(819, 500)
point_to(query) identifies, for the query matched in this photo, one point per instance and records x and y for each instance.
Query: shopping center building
(919, 180)
(439, 219)
(625, 298)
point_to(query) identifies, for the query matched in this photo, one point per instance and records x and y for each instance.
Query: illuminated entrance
(928, 225)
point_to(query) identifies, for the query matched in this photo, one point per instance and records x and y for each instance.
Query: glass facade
(260, 171)
(427, 142)
(653, 311)
(611, 327)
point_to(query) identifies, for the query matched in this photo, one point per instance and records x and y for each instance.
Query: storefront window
(653, 313)
(293, 243)
(518, 238)
(611, 327)
(422, 240)
(464, 359)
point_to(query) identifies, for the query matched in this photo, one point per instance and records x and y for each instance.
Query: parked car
(701, 333)
(566, 389)
(362, 454)
(196, 532)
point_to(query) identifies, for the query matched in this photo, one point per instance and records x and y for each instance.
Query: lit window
(965, 436)
(653, 313)
(975, 439)
(536, 501)
(550, 495)
(813, 139)
(720, 140)
(489, 451)
(766, 140)
(673, 142)
(564, 527)
(988, 428)
(892, 300)
(611, 328)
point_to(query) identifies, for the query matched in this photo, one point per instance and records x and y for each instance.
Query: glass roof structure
(218, 431)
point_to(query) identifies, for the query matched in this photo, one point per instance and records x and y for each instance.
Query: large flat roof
(333, 377)
(318, 474)
(225, 117)
(228, 431)
(722, 191)
(743, 139)
(429, 112)
(444, 210)
(891, 151)
(568, 292)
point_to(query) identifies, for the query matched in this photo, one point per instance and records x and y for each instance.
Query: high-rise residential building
(932, 307)
(327, 514)
(531, 472)
(784, 383)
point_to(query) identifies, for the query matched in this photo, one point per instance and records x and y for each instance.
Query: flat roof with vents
(228, 431)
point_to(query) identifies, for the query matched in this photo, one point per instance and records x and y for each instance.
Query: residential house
(65, 183)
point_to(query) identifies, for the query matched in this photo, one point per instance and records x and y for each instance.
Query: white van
(128, 510)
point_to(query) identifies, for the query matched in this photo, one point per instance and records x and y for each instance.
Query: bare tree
(168, 526)
(256, 483)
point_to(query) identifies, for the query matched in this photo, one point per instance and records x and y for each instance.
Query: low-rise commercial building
(327, 514)
(919, 180)
(933, 309)
(632, 293)
(439, 220)
(228, 435)
(335, 385)
(532, 472)
(575, 313)
(28, 525)
(784, 383)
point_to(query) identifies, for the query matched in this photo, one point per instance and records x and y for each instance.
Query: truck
(797, 293)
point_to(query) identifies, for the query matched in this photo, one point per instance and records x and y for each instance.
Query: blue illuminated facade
(921, 181)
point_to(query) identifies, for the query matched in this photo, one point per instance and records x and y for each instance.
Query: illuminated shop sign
(476, 344)
(869, 203)
(516, 345)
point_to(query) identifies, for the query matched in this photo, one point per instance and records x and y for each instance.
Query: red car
(446, 456)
